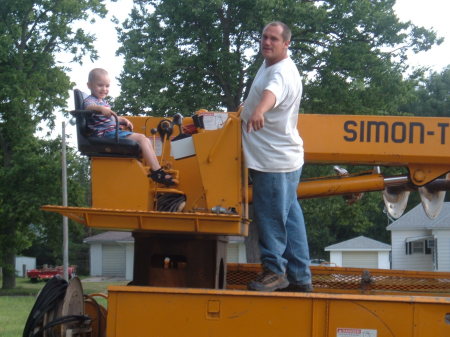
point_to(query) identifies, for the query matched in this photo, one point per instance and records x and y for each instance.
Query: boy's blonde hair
(94, 73)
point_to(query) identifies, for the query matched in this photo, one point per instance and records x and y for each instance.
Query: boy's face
(99, 86)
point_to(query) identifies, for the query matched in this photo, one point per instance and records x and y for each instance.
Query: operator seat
(99, 146)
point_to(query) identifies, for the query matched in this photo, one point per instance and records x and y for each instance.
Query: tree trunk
(9, 269)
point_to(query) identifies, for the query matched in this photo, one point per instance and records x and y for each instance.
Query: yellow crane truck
(182, 284)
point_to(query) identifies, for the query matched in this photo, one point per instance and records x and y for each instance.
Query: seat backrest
(79, 97)
(98, 146)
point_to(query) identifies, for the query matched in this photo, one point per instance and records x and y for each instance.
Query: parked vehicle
(182, 285)
(45, 273)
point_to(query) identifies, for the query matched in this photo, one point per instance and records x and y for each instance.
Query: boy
(103, 124)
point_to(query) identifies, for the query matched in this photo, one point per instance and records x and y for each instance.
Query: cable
(47, 300)
(170, 202)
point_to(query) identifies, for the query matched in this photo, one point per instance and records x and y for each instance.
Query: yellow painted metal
(148, 311)
(123, 198)
(179, 222)
(336, 185)
(420, 143)
(214, 178)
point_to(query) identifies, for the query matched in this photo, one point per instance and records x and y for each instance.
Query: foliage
(46, 232)
(32, 87)
(431, 96)
(351, 53)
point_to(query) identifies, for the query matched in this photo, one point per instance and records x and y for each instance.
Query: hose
(170, 202)
(49, 297)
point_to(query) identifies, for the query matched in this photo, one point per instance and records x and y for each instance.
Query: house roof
(110, 236)
(360, 243)
(417, 219)
(117, 236)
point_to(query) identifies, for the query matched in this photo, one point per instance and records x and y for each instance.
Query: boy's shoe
(268, 281)
(299, 288)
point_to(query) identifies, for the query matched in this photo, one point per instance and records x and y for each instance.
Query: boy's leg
(147, 150)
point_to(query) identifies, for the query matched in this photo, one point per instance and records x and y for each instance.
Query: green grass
(16, 304)
(14, 311)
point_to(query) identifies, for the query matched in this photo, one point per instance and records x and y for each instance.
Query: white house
(360, 252)
(24, 263)
(112, 253)
(419, 243)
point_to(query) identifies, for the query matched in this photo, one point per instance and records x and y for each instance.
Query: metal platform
(130, 220)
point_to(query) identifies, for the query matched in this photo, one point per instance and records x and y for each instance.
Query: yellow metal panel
(420, 143)
(375, 139)
(119, 183)
(208, 223)
(164, 312)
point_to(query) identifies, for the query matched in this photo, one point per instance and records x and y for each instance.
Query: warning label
(350, 332)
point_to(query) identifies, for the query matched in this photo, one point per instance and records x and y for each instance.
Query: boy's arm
(126, 122)
(102, 109)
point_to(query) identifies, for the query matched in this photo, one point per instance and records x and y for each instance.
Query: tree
(204, 54)
(32, 87)
(46, 230)
(351, 53)
(431, 96)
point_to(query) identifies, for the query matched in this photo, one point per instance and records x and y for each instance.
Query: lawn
(16, 304)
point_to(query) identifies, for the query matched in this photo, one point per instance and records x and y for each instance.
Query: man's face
(100, 86)
(273, 47)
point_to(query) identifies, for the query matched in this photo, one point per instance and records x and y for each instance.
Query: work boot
(299, 288)
(267, 280)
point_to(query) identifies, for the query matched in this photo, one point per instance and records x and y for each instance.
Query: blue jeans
(281, 227)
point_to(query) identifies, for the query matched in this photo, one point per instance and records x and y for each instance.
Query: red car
(47, 273)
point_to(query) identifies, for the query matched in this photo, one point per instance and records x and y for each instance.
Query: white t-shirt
(277, 147)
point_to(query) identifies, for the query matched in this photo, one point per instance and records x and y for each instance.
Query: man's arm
(266, 103)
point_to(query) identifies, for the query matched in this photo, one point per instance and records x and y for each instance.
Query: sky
(429, 14)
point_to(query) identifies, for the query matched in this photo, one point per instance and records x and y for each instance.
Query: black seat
(99, 146)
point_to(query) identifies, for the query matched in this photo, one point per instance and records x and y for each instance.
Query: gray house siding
(413, 261)
(443, 249)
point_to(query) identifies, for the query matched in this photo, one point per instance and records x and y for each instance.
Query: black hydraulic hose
(63, 320)
(47, 300)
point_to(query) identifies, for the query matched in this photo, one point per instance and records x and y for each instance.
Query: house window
(429, 246)
(418, 247)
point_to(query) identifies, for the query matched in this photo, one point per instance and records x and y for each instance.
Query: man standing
(273, 152)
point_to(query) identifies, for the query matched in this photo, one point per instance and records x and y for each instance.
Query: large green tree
(431, 95)
(204, 54)
(182, 55)
(32, 87)
(45, 233)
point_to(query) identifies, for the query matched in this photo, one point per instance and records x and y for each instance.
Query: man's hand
(256, 121)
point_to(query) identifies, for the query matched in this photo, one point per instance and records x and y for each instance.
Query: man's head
(98, 82)
(275, 40)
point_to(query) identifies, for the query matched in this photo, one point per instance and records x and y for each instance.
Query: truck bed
(347, 302)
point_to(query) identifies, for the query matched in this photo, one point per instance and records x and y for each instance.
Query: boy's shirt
(98, 124)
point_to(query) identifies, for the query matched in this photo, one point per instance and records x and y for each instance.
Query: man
(273, 152)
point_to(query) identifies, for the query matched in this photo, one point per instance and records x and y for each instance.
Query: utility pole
(64, 197)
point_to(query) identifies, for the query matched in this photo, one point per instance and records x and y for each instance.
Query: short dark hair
(286, 34)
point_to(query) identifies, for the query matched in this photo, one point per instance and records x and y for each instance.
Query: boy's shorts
(122, 134)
